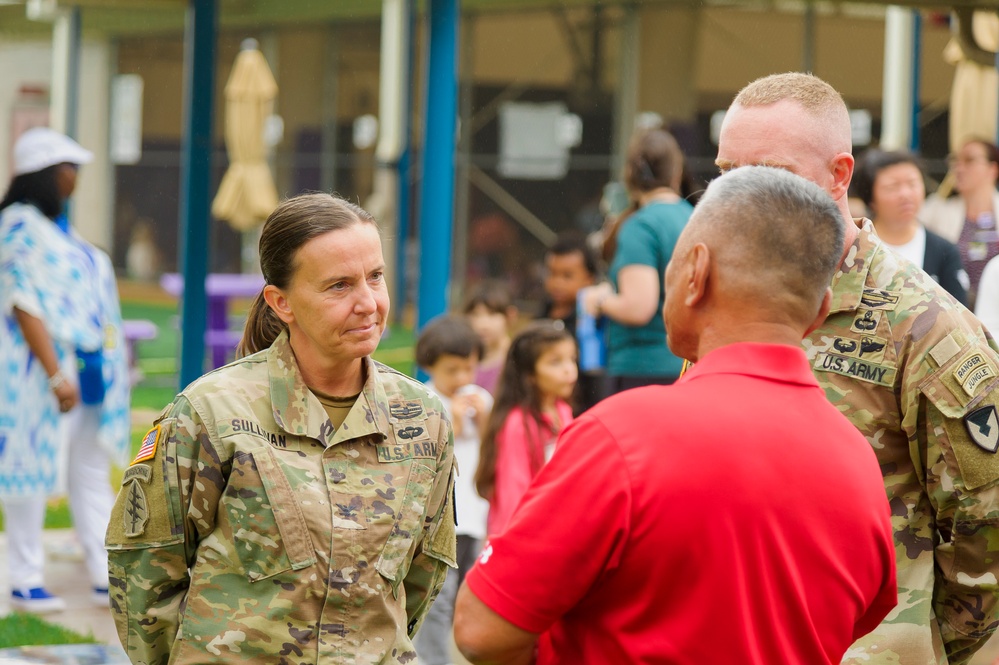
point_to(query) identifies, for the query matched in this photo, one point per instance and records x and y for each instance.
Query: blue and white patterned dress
(59, 278)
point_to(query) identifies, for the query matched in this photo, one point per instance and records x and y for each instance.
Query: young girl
(529, 412)
(490, 311)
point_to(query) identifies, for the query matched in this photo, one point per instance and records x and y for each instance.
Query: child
(571, 265)
(448, 349)
(538, 377)
(491, 312)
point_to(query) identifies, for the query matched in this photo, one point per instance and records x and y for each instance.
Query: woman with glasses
(968, 217)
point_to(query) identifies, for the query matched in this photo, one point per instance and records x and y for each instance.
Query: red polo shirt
(734, 517)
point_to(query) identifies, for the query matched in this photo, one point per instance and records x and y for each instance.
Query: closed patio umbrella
(247, 194)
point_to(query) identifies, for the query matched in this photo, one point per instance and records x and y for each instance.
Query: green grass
(19, 629)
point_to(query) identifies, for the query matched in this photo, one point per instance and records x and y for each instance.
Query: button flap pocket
(268, 527)
(393, 562)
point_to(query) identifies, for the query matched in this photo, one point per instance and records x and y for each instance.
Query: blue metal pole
(917, 66)
(405, 171)
(195, 180)
(438, 168)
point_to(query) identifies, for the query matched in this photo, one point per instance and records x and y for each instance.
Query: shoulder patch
(148, 448)
(983, 428)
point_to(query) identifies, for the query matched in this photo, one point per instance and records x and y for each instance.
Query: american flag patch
(148, 449)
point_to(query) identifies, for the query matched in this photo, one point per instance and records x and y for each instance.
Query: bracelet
(56, 380)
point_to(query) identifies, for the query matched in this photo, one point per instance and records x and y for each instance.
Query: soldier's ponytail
(261, 329)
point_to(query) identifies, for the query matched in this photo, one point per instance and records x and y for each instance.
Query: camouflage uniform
(248, 530)
(918, 375)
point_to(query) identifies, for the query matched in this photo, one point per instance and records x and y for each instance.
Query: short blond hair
(820, 99)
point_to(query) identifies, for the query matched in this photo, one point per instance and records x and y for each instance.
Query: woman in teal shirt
(638, 247)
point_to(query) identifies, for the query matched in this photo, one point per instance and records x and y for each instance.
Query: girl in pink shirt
(530, 410)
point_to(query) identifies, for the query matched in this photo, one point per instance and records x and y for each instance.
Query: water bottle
(590, 338)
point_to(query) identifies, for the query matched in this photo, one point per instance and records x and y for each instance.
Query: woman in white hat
(63, 374)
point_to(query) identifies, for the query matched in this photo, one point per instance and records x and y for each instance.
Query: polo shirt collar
(776, 362)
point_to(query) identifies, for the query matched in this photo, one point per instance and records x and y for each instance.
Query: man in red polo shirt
(733, 517)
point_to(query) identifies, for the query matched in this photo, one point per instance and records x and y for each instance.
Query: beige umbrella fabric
(247, 194)
(976, 82)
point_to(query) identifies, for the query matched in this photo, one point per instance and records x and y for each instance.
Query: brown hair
(653, 161)
(517, 387)
(293, 223)
(447, 335)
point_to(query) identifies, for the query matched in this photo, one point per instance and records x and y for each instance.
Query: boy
(571, 265)
(449, 350)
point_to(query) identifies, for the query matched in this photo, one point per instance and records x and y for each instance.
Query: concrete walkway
(66, 576)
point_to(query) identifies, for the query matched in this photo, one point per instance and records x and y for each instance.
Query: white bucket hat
(41, 147)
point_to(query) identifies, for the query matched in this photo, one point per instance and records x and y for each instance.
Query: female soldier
(293, 506)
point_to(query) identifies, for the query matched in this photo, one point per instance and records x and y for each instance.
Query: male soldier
(912, 369)
(683, 539)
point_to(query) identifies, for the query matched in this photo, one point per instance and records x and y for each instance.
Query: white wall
(30, 64)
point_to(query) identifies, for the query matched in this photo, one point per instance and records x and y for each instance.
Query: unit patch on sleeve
(983, 428)
(136, 512)
(148, 448)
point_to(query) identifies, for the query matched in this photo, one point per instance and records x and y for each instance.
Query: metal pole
(195, 181)
(917, 66)
(404, 195)
(808, 40)
(437, 187)
(897, 90)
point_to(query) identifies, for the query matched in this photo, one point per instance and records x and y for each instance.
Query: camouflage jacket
(918, 375)
(248, 530)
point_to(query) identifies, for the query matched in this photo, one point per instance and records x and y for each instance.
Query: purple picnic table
(220, 288)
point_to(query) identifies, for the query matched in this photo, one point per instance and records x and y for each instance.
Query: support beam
(195, 181)
(66, 56)
(897, 99)
(438, 168)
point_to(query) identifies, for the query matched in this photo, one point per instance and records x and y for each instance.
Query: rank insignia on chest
(148, 448)
(405, 409)
(983, 428)
(136, 512)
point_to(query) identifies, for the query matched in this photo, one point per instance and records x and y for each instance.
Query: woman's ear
(279, 304)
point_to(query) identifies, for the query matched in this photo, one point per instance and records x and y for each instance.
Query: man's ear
(823, 312)
(699, 270)
(278, 303)
(842, 172)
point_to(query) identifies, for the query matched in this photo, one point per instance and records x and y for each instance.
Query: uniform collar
(298, 411)
(777, 362)
(849, 281)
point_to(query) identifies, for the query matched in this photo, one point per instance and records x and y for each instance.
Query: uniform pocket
(268, 527)
(393, 562)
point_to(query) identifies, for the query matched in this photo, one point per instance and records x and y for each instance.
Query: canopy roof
(132, 17)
